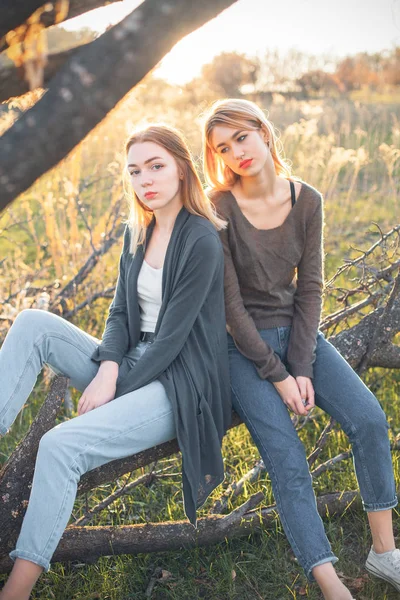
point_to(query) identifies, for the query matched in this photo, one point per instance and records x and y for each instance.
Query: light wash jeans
(340, 393)
(126, 425)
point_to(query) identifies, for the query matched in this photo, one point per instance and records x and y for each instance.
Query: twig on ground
(145, 479)
(235, 489)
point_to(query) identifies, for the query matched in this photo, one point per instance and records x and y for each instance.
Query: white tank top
(149, 288)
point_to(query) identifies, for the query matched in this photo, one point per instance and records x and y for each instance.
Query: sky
(333, 27)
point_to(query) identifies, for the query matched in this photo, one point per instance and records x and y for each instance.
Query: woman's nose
(238, 152)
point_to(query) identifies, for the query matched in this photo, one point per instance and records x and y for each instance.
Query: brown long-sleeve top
(274, 277)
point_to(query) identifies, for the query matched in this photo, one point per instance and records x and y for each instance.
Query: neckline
(236, 205)
(152, 268)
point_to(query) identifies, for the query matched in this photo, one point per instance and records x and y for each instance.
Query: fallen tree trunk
(87, 544)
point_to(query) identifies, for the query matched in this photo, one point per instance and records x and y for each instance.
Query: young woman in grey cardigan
(278, 358)
(161, 370)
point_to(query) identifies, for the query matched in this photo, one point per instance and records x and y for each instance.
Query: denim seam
(277, 499)
(29, 362)
(358, 446)
(75, 460)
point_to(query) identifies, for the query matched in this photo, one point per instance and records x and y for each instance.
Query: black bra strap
(292, 193)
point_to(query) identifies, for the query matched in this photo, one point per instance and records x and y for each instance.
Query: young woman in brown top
(278, 358)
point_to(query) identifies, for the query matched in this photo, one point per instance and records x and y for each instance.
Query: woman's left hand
(100, 390)
(306, 390)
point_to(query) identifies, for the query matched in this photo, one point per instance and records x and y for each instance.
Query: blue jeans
(340, 393)
(126, 425)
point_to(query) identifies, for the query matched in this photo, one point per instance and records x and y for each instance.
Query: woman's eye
(224, 150)
(242, 137)
(133, 173)
(157, 167)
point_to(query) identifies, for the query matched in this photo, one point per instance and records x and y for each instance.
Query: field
(348, 149)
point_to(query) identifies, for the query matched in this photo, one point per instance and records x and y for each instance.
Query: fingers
(300, 408)
(296, 405)
(306, 391)
(302, 385)
(83, 405)
(80, 404)
(300, 399)
(310, 395)
(288, 390)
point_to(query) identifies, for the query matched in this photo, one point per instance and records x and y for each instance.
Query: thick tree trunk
(86, 88)
(16, 475)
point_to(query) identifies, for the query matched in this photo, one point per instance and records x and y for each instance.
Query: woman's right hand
(290, 394)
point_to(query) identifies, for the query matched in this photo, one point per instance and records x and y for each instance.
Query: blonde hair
(194, 198)
(241, 114)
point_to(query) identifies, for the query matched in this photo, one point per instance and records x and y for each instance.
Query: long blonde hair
(193, 196)
(241, 114)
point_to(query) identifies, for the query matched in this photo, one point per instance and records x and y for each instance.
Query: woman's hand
(306, 390)
(289, 391)
(101, 389)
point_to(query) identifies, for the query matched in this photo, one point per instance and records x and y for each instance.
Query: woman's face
(154, 175)
(243, 150)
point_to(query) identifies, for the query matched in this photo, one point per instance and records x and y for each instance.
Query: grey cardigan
(189, 354)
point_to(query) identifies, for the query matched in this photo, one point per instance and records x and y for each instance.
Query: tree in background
(317, 82)
(374, 71)
(229, 72)
(391, 68)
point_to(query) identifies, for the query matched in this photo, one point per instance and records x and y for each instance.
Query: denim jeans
(128, 424)
(340, 393)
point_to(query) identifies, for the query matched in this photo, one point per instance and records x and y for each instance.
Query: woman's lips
(150, 195)
(245, 163)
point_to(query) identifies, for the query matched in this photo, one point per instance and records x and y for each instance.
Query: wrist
(282, 382)
(109, 367)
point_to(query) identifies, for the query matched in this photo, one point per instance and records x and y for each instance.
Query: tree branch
(86, 88)
(12, 82)
(15, 12)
